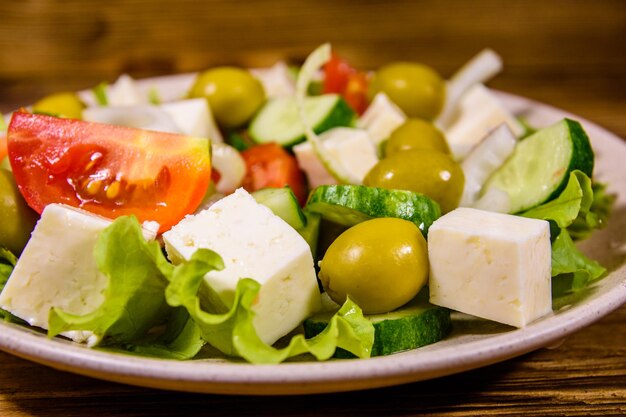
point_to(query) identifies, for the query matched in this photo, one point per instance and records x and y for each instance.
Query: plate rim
(323, 377)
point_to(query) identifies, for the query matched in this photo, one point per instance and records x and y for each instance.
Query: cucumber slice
(311, 231)
(283, 203)
(351, 204)
(416, 324)
(278, 121)
(540, 165)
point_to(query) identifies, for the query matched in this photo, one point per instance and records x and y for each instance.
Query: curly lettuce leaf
(581, 209)
(134, 302)
(7, 263)
(181, 340)
(572, 271)
(233, 332)
(596, 216)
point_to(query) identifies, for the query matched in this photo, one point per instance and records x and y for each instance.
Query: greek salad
(274, 212)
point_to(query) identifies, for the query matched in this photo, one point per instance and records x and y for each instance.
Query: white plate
(473, 343)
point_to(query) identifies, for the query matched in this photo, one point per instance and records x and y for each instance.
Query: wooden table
(569, 54)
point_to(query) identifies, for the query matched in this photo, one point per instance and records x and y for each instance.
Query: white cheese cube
(253, 243)
(57, 268)
(125, 92)
(193, 117)
(352, 148)
(381, 118)
(491, 265)
(479, 111)
(277, 80)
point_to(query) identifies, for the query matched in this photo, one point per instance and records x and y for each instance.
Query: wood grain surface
(568, 53)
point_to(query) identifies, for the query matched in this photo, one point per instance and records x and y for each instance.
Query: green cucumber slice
(283, 203)
(311, 231)
(351, 204)
(278, 120)
(541, 164)
(416, 324)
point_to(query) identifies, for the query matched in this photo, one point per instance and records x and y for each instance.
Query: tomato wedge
(341, 78)
(269, 165)
(108, 170)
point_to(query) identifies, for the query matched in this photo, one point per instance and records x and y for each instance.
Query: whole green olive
(61, 104)
(429, 172)
(18, 220)
(381, 264)
(234, 95)
(416, 134)
(417, 89)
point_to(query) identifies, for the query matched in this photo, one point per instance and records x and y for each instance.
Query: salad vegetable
(352, 242)
(109, 170)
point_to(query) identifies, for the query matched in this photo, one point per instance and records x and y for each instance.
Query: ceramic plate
(472, 344)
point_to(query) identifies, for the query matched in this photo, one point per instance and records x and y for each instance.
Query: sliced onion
(479, 69)
(314, 62)
(231, 166)
(484, 160)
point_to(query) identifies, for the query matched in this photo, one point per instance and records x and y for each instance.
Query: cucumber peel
(351, 204)
(283, 203)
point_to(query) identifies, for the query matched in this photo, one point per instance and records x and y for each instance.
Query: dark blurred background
(569, 53)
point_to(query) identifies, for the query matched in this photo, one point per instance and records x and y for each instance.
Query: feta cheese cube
(491, 265)
(353, 149)
(381, 118)
(253, 243)
(57, 269)
(277, 80)
(193, 117)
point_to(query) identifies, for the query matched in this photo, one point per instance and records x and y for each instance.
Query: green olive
(234, 95)
(416, 134)
(61, 104)
(18, 220)
(429, 172)
(417, 89)
(381, 264)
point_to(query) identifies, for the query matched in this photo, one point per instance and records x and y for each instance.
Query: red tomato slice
(108, 170)
(341, 78)
(336, 75)
(269, 165)
(356, 92)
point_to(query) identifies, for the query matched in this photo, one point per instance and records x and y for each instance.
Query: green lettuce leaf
(180, 340)
(233, 332)
(134, 303)
(572, 271)
(583, 207)
(7, 263)
(3, 125)
(596, 216)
